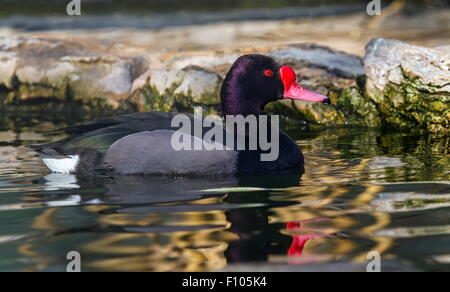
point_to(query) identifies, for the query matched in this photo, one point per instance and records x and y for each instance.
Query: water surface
(363, 190)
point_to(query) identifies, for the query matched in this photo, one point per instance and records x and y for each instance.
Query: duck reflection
(237, 205)
(258, 238)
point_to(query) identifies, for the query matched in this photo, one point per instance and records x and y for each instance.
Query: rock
(405, 86)
(200, 85)
(177, 90)
(409, 84)
(320, 56)
(8, 61)
(100, 75)
(357, 109)
(66, 70)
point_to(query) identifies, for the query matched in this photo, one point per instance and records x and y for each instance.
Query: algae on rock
(358, 109)
(410, 85)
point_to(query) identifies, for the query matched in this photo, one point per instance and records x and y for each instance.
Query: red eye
(268, 73)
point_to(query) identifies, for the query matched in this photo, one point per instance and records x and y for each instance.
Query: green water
(363, 190)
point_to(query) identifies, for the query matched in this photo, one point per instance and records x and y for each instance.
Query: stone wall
(396, 84)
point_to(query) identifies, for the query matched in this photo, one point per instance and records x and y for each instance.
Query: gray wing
(98, 136)
(151, 152)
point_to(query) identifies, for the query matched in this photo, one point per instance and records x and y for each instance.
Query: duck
(141, 143)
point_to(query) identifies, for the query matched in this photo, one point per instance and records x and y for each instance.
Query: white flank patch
(61, 165)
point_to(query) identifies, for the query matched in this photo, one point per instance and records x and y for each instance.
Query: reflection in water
(202, 229)
(362, 191)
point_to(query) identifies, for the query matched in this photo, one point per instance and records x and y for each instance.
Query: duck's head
(255, 80)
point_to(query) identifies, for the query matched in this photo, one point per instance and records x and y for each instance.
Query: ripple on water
(362, 191)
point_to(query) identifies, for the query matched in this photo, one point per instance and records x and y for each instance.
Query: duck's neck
(235, 103)
(235, 110)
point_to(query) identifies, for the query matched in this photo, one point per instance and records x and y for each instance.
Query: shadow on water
(363, 190)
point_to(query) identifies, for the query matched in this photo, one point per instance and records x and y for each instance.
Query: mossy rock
(358, 109)
(409, 85)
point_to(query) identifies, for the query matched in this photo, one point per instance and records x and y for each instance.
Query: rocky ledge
(410, 85)
(396, 84)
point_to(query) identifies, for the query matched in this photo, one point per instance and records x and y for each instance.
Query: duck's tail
(55, 161)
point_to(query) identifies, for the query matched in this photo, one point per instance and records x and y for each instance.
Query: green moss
(358, 109)
(25, 92)
(156, 102)
(419, 203)
(410, 105)
(438, 106)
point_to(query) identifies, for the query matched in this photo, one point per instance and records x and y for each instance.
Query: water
(47, 15)
(154, 19)
(364, 190)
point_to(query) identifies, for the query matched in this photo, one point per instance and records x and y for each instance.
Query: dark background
(40, 15)
(141, 6)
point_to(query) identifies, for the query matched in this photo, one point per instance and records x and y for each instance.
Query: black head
(255, 80)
